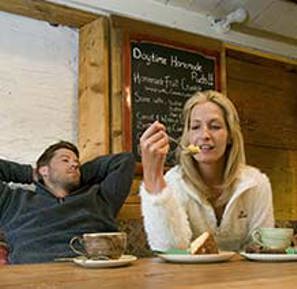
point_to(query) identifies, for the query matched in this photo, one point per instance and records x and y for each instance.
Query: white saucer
(205, 258)
(269, 257)
(89, 263)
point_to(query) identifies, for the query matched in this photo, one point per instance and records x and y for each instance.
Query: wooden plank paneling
(130, 211)
(281, 167)
(52, 13)
(223, 71)
(131, 208)
(94, 122)
(264, 92)
(266, 97)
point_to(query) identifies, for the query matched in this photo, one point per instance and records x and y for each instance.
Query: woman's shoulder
(255, 182)
(248, 172)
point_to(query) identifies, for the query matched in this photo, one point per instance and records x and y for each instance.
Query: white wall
(38, 86)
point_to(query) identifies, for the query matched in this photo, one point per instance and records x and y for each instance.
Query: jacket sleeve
(165, 220)
(16, 173)
(114, 174)
(260, 205)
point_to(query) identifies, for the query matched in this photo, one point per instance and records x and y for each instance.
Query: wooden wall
(264, 91)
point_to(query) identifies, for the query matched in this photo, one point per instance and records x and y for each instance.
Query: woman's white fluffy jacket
(176, 216)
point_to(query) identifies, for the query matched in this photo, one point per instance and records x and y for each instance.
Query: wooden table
(153, 273)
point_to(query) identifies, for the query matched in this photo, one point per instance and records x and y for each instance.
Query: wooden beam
(254, 52)
(46, 11)
(135, 27)
(117, 94)
(94, 121)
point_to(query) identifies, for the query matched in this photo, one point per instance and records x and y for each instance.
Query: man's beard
(71, 186)
(68, 184)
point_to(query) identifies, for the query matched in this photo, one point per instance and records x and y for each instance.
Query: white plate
(89, 263)
(206, 258)
(269, 257)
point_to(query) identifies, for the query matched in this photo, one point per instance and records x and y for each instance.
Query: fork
(177, 143)
(187, 149)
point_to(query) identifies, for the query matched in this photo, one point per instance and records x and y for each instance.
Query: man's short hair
(48, 154)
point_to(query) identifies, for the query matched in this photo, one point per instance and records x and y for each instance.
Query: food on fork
(192, 149)
(204, 244)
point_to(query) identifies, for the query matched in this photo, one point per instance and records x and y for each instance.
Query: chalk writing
(162, 79)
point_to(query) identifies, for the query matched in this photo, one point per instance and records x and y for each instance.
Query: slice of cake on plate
(204, 244)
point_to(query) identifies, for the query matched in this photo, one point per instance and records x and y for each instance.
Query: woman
(213, 190)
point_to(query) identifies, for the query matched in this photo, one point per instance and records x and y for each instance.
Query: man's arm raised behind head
(114, 173)
(16, 173)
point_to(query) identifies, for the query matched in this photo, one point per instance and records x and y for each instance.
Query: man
(69, 200)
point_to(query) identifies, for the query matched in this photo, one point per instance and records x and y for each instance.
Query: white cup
(273, 238)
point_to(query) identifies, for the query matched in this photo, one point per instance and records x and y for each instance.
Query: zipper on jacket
(61, 200)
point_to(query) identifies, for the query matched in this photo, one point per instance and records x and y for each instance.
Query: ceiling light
(223, 24)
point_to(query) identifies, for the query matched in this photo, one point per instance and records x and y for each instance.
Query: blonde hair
(235, 154)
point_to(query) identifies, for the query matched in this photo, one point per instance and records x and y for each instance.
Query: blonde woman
(213, 190)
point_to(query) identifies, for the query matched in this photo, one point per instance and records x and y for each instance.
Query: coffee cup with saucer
(100, 246)
(273, 238)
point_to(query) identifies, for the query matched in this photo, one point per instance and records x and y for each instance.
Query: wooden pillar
(117, 89)
(94, 119)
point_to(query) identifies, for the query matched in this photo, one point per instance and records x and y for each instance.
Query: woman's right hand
(154, 147)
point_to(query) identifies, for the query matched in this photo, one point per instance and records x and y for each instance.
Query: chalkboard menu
(162, 79)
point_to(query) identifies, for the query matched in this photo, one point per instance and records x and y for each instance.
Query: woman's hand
(154, 147)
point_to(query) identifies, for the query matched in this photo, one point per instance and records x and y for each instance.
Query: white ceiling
(278, 17)
(271, 26)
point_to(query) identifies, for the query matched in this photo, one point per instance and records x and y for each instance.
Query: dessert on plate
(204, 244)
